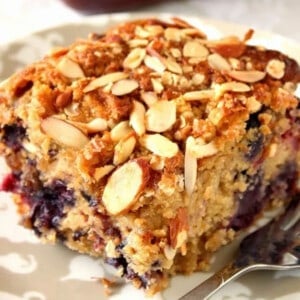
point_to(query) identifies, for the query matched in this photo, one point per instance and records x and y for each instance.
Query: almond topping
(149, 98)
(218, 62)
(124, 149)
(70, 68)
(190, 167)
(142, 32)
(161, 116)
(228, 47)
(134, 58)
(173, 34)
(98, 124)
(138, 43)
(102, 171)
(247, 76)
(176, 53)
(233, 86)
(64, 132)
(195, 149)
(104, 80)
(276, 68)
(195, 49)
(157, 85)
(124, 87)
(120, 131)
(200, 149)
(154, 63)
(199, 95)
(198, 78)
(137, 118)
(173, 66)
(154, 29)
(181, 238)
(64, 99)
(160, 145)
(123, 187)
(178, 228)
(169, 252)
(72, 109)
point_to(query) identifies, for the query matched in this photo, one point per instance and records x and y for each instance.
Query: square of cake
(151, 145)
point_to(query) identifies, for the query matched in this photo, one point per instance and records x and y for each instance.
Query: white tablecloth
(21, 17)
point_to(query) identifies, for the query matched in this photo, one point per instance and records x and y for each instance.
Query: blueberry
(255, 147)
(13, 136)
(49, 204)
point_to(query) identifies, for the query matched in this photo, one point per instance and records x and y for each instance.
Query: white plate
(30, 270)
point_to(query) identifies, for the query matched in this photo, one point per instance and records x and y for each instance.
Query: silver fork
(275, 246)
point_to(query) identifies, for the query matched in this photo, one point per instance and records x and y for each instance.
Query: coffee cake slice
(151, 145)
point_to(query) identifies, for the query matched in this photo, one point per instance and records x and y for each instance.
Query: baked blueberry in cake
(151, 145)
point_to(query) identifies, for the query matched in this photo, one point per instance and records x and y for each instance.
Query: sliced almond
(124, 87)
(199, 95)
(120, 131)
(142, 32)
(192, 32)
(102, 171)
(218, 62)
(176, 53)
(187, 69)
(138, 43)
(230, 46)
(107, 88)
(157, 85)
(195, 60)
(64, 132)
(276, 68)
(154, 63)
(190, 167)
(72, 109)
(173, 34)
(134, 58)
(160, 145)
(169, 252)
(181, 238)
(247, 76)
(104, 80)
(161, 116)
(123, 187)
(31, 148)
(149, 98)
(195, 49)
(198, 78)
(200, 149)
(173, 66)
(98, 124)
(154, 29)
(70, 68)
(137, 118)
(124, 149)
(233, 86)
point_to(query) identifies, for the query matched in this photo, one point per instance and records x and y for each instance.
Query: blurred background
(21, 17)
